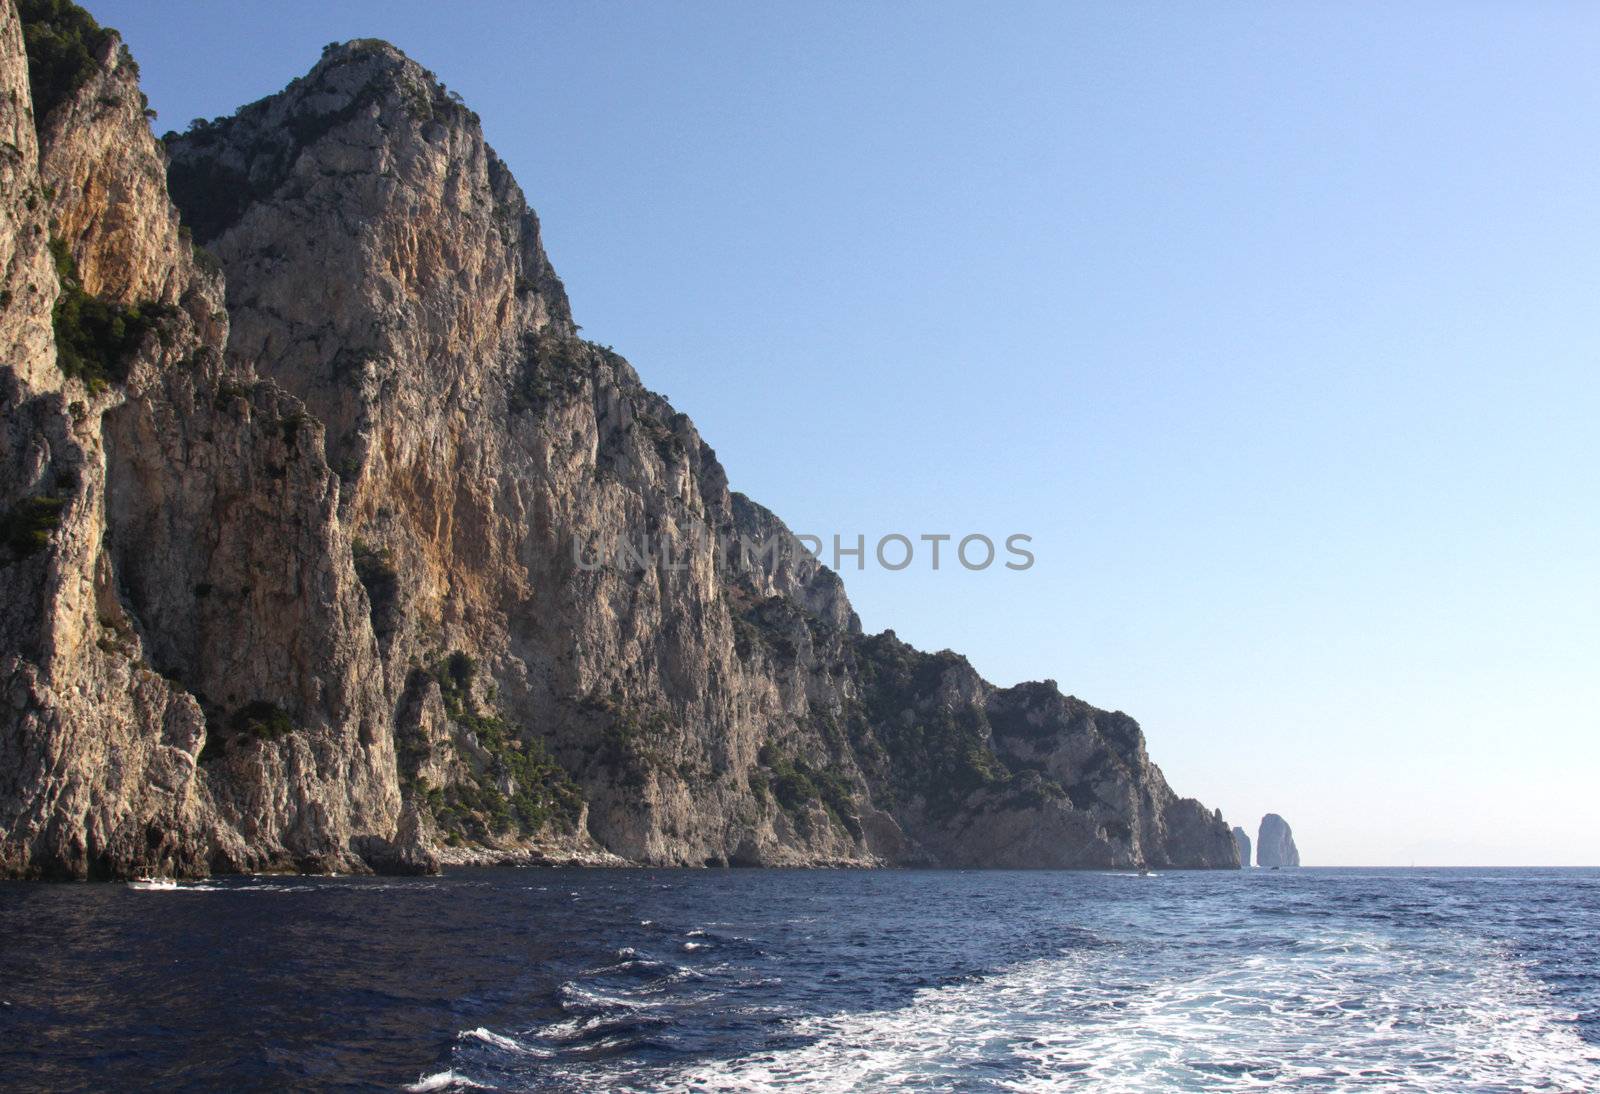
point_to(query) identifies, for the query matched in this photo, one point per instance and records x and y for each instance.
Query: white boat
(151, 883)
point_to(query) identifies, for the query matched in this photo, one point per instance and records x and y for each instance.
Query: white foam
(576, 995)
(500, 1040)
(271, 887)
(449, 1079)
(1444, 1013)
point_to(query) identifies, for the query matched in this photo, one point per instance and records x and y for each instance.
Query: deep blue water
(1447, 980)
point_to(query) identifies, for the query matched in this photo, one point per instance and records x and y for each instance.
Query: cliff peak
(364, 50)
(366, 127)
(367, 66)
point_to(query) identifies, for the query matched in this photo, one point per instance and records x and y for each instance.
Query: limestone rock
(1275, 843)
(297, 573)
(191, 678)
(1242, 840)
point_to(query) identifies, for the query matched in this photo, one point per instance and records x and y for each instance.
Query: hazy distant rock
(1275, 843)
(1243, 842)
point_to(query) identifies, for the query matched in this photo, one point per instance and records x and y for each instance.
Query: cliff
(1242, 840)
(298, 437)
(1275, 843)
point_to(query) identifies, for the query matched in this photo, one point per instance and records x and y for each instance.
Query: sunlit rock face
(288, 578)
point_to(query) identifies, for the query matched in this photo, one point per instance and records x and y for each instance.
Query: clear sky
(1276, 326)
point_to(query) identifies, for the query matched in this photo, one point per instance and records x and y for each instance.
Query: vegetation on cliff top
(553, 366)
(934, 752)
(212, 196)
(64, 44)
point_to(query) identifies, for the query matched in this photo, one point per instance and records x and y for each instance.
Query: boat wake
(1332, 1013)
(1303, 989)
(1340, 1010)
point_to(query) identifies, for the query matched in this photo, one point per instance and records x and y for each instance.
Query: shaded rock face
(1242, 841)
(288, 578)
(1275, 843)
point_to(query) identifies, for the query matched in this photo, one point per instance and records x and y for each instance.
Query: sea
(809, 980)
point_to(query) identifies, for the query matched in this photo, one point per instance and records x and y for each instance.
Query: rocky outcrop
(1241, 840)
(1275, 843)
(346, 552)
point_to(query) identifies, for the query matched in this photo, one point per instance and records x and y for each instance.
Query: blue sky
(1276, 326)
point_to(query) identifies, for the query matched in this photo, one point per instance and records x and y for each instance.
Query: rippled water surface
(1442, 980)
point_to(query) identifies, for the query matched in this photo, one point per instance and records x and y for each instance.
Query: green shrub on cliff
(262, 720)
(258, 720)
(553, 367)
(63, 43)
(795, 784)
(95, 338)
(542, 794)
(935, 752)
(25, 529)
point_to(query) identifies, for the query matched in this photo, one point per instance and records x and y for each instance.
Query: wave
(448, 1079)
(500, 1041)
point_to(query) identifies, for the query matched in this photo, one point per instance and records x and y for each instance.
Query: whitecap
(449, 1079)
(499, 1040)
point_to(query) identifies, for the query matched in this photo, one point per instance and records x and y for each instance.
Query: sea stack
(1243, 842)
(1275, 843)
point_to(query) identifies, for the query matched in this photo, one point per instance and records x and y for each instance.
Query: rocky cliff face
(1275, 843)
(294, 471)
(1242, 841)
(191, 683)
